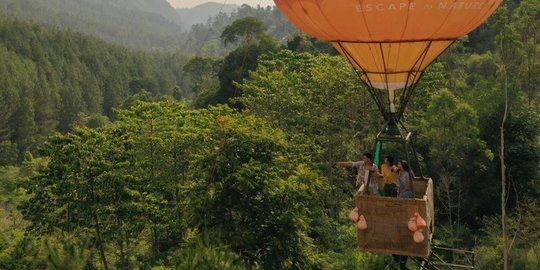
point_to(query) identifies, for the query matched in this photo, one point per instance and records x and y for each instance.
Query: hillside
(48, 77)
(147, 24)
(134, 23)
(203, 12)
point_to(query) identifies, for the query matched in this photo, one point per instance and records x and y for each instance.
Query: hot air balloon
(390, 43)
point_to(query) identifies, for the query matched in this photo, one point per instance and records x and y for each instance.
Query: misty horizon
(193, 3)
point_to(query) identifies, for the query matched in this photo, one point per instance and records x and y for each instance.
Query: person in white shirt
(367, 173)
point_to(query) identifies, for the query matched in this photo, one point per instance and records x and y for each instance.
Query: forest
(220, 153)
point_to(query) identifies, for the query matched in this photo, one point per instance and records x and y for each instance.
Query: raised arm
(344, 164)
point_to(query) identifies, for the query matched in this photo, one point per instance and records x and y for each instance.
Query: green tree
(248, 30)
(86, 187)
(16, 111)
(523, 228)
(527, 25)
(206, 255)
(321, 104)
(10, 153)
(213, 169)
(202, 76)
(238, 63)
(24, 126)
(457, 156)
(66, 255)
(322, 99)
(21, 252)
(257, 189)
(300, 42)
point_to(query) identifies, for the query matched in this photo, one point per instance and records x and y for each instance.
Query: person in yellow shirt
(389, 177)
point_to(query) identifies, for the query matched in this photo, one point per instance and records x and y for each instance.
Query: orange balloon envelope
(389, 42)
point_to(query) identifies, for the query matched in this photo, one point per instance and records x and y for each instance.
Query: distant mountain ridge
(202, 12)
(141, 24)
(133, 23)
(161, 7)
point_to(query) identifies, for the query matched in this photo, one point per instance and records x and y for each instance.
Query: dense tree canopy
(101, 168)
(172, 171)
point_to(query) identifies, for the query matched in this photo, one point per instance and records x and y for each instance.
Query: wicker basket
(387, 219)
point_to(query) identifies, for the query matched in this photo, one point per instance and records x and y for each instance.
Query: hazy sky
(192, 3)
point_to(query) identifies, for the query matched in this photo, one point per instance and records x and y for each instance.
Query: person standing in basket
(389, 177)
(367, 173)
(404, 180)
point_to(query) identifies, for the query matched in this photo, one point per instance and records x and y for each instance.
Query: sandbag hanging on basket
(411, 225)
(353, 215)
(418, 237)
(420, 222)
(362, 224)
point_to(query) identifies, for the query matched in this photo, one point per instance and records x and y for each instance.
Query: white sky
(192, 3)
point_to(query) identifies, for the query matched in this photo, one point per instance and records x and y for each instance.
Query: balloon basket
(387, 221)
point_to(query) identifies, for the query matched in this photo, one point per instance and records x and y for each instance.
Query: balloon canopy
(389, 42)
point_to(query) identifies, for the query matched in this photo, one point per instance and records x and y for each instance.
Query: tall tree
(86, 187)
(238, 63)
(202, 76)
(456, 156)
